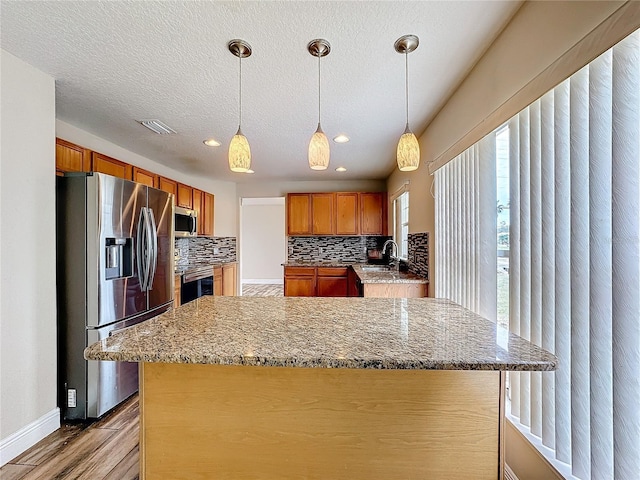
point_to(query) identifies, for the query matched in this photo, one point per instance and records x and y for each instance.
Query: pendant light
(408, 153)
(319, 145)
(239, 150)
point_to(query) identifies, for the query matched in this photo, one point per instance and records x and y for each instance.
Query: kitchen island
(339, 388)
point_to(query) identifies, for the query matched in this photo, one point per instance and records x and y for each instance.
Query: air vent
(157, 126)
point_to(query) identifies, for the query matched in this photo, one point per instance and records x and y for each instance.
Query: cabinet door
(299, 214)
(229, 280)
(110, 166)
(217, 281)
(332, 287)
(145, 177)
(373, 213)
(206, 214)
(299, 286)
(197, 206)
(322, 213)
(185, 196)
(71, 157)
(347, 218)
(177, 289)
(169, 186)
(352, 283)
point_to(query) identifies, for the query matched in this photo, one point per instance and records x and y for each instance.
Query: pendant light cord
(319, 84)
(406, 81)
(240, 96)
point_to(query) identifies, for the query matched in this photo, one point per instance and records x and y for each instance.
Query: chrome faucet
(394, 258)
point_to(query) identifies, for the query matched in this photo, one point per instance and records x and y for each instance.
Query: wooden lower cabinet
(217, 281)
(177, 290)
(201, 421)
(315, 282)
(332, 282)
(299, 281)
(395, 290)
(229, 280)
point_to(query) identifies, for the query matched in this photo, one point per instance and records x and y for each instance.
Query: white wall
(225, 202)
(263, 241)
(281, 188)
(27, 257)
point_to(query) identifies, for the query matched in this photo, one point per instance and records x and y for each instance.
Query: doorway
(263, 245)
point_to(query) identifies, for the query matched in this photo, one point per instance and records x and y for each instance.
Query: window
(570, 229)
(401, 224)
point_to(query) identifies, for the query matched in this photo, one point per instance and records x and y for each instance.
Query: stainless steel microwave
(186, 222)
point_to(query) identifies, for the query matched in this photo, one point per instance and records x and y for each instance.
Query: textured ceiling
(115, 62)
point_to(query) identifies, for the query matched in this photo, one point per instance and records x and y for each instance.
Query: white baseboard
(263, 281)
(28, 436)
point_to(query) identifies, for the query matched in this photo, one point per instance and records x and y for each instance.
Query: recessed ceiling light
(341, 169)
(342, 138)
(211, 142)
(250, 171)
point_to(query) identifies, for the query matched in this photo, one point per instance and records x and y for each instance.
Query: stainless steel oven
(186, 222)
(196, 283)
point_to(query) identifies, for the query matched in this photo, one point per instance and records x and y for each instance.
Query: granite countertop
(182, 269)
(388, 276)
(318, 263)
(371, 333)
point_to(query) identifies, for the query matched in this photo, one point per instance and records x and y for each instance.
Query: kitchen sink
(378, 268)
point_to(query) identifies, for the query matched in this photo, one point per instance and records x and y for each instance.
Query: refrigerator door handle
(148, 236)
(153, 260)
(140, 250)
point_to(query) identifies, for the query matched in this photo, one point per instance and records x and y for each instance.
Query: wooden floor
(254, 290)
(103, 450)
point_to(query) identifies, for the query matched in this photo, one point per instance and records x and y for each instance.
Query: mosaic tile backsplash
(204, 249)
(419, 254)
(339, 249)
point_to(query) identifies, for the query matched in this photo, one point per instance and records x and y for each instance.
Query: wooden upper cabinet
(145, 177)
(373, 213)
(299, 214)
(168, 185)
(322, 213)
(185, 196)
(110, 166)
(347, 218)
(203, 205)
(71, 157)
(206, 214)
(197, 206)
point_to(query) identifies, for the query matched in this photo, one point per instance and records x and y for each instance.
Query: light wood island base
(241, 422)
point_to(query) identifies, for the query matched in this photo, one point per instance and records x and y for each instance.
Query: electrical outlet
(71, 398)
(216, 250)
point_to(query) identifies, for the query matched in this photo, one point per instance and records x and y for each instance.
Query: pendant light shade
(239, 150)
(319, 151)
(408, 152)
(239, 153)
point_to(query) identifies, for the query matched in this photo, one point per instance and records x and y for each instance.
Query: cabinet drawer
(332, 271)
(299, 271)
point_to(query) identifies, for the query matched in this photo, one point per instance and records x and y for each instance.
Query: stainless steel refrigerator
(115, 268)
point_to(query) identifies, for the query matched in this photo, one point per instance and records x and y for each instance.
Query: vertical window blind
(574, 261)
(466, 231)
